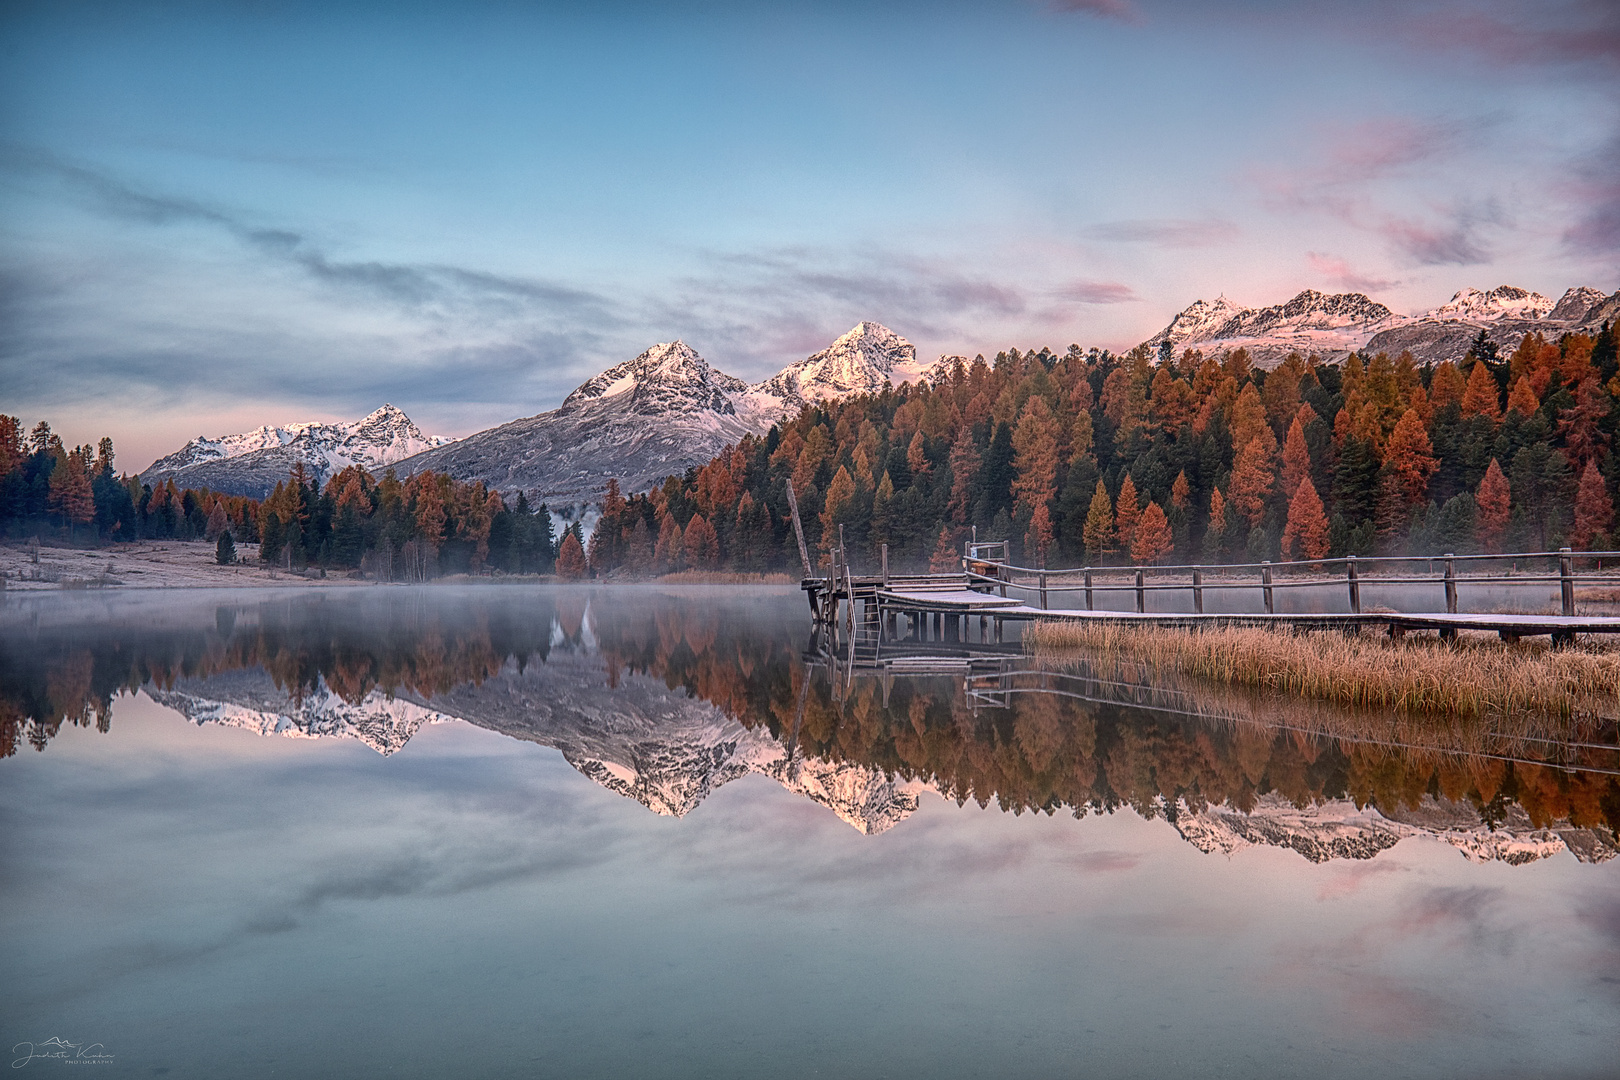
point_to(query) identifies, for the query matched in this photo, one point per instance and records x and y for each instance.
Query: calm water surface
(638, 832)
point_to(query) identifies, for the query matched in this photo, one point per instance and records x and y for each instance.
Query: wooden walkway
(989, 592)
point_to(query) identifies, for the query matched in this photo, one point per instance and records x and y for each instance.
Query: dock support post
(1043, 590)
(1141, 594)
(1355, 585)
(1566, 581)
(1198, 590)
(1265, 586)
(1088, 590)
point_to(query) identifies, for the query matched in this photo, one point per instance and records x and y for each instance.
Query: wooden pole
(885, 550)
(1566, 581)
(1141, 594)
(1451, 584)
(1355, 585)
(1043, 590)
(798, 530)
(1265, 585)
(1198, 590)
(1088, 590)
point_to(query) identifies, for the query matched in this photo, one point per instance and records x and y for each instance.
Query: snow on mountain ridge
(375, 441)
(1504, 301)
(867, 359)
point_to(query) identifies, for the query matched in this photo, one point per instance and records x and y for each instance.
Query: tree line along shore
(1079, 458)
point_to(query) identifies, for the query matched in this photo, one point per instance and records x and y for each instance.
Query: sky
(215, 216)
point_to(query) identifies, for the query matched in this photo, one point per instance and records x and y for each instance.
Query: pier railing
(985, 567)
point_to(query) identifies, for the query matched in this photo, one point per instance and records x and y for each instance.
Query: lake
(637, 831)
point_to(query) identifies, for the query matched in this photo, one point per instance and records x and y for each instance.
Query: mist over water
(639, 832)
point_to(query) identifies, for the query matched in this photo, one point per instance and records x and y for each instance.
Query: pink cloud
(1338, 272)
(1098, 292)
(1121, 10)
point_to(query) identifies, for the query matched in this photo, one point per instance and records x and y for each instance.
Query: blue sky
(214, 216)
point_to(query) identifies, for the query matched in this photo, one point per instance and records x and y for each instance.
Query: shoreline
(189, 564)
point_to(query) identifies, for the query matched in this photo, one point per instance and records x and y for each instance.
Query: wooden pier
(978, 601)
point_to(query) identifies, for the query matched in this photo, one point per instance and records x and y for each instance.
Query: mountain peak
(1504, 301)
(669, 376)
(866, 359)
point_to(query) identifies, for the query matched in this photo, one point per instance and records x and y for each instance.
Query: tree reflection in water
(1087, 740)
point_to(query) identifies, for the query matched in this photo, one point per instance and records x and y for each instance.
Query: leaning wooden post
(1265, 586)
(798, 530)
(1198, 590)
(1566, 581)
(1088, 590)
(1141, 594)
(1451, 584)
(1355, 585)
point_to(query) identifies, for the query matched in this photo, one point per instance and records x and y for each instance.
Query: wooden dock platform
(991, 592)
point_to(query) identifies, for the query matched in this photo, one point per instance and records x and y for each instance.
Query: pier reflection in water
(668, 696)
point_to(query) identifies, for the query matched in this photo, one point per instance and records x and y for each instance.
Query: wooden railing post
(1198, 590)
(1566, 581)
(1451, 584)
(1089, 606)
(885, 550)
(1265, 585)
(1355, 585)
(1043, 590)
(1141, 595)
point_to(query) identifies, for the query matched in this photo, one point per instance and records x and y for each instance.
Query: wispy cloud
(409, 284)
(1338, 272)
(1166, 232)
(1596, 192)
(1348, 181)
(1119, 10)
(1098, 292)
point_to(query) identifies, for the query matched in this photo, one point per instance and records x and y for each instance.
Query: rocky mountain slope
(252, 463)
(667, 409)
(1334, 325)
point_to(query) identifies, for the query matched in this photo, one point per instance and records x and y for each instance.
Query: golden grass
(1477, 677)
(711, 577)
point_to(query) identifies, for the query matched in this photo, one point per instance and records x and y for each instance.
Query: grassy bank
(1477, 677)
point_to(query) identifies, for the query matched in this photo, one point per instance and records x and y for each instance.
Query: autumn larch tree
(1099, 528)
(1494, 504)
(1307, 524)
(571, 559)
(1152, 540)
(1483, 397)
(1594, 510)
(1126, 512)
(1253, 477)
(701, 544)
(1296, 463)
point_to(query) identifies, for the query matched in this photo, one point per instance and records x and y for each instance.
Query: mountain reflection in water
(663, 695)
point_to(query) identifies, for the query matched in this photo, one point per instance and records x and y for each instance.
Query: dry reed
(1474, 678)
(714, 577)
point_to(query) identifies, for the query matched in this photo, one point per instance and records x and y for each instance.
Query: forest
(394, 529)
(1092, 458)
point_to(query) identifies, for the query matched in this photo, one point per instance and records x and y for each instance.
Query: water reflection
(664, 695)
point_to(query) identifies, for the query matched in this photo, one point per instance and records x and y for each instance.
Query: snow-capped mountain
(1334, 325)
(640, 739)
(864, 361)
(1330, 325)
(637, 422)
(1504, 301)
(1339, 829)
(253, 462)
(668, 409)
